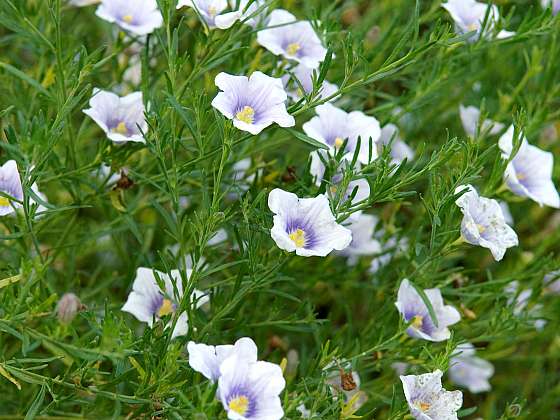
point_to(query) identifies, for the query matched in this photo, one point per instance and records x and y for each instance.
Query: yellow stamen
(247, 115)
(417, 321)
(166, 308)
(481, 229)
(298, 237)
(4, 202)
(472, 27)
(212, 11)
(334, 189)
(121, 129)
(338, 142)
(424, 406)
(520, 176)
(128, 18)
(240, 405)
(293, 48)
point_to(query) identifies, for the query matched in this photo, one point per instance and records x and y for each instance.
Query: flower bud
(67, 308)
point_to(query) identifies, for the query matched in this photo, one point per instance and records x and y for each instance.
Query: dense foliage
(180, 201)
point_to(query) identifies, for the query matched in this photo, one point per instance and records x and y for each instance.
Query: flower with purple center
(209, 10)
(140, 17)
(10, 186)
(428, 400)
(470, 118)
(529, 172)
(148, 302)
(484, 223)
(414, 310)
(293, 39)
(306, 225)
(121, 118)
(253, 103)
(333, 126)
(470, 15)
(304, 75)
(317, 170)
(207, 359)
(553, 4)
(399, 149)
(363, 243)
(250, 390)
(469, 371)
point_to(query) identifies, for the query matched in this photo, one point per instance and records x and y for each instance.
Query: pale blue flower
(306, 225)
(293, 39)
(470, 118)
(414, 311)
(469, 371)
(529, 173)
(140, 17)
(399, 149)
(428, 400)
(484, 223)
(10, 186)
(253, 103)
(553, 4)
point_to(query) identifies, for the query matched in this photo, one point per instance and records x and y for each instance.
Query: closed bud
(67, 308)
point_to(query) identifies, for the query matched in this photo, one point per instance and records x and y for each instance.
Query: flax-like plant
(266, 209)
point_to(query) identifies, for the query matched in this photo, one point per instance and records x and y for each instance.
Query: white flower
(122, 119)
(207, 359)
(529, 173)
(295, 40)
(10, 186)
(470, 117)
(520, 301)
(147, 301)
(303, 411)
(484, 222)
(552, 282)
(304, 75)
(332, 126)
(507, 213)
(389, 249)
(554, 4)
(253, 103)
(250, 390)
(363, 243)
(306, 225)
(317, 169)
(140, 17)
(399, 149)
(469, 371)
(208, 10)
(428, 400)
(250, 14)
(413, 309)
(470, 15)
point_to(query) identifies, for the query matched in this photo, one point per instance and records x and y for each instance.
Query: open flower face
(253, 103)
(304, 75)
(122, 119)
(10, 186)
(470, 118)
(413, 309)
(139, 17)
(470, 16)
(469, 371)
(399, 149)
(295, 40)
(484, 223)
(250, 390)
(208, 359)
(148, 302)
(428, 400)
(306, 225)
(529, 173)
(317, 169)
(207, 9)
(333, 126)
